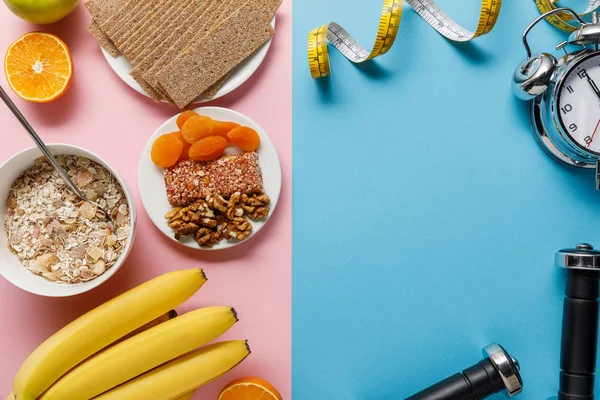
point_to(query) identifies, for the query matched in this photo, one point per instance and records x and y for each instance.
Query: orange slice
(38, 67)
(249, 388)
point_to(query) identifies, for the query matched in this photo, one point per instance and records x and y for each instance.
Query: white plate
(239, 75)
(152, 184)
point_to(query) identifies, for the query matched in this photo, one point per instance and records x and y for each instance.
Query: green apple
(41, 11)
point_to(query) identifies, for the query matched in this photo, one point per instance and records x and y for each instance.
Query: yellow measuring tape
(560, 20)
(318, 51)
(389, 23)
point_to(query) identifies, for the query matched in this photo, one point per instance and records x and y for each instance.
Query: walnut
(199, 213)
(186, 229)
(207, 237)
(256, 212)
(258, 200)
(209, 222)
(221, 219)
(257, 206)
(172, 213)
(215, 218)
(217, 203)
(175, 217)
(200, 206)
(176, 224)
(234, 207)
(238, 229)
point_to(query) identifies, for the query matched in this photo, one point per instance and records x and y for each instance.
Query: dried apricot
(245, 138)
(183, 117)
(196, 128)
(222, 128)
(208, 149)
(166, 150)
(186, 146)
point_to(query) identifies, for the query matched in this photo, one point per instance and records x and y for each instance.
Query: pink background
(101, 113)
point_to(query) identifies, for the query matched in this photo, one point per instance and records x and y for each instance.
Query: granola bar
(191, 180)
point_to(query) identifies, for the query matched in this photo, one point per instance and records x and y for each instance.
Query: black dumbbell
(496, 373)
(580, 322)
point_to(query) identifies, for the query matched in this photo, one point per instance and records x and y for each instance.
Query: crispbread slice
(102, 9)
(165, 96)
(116, 31)
(143, 19)
(174, 29)
(103, 40)
(212, 15)
(197, 30)
(113, 23)
(175, 18)
(171, 46)
(151, 54)
(203, 63)
(153, 93)
(212, 91)
(125, 23)
(149, 25)
(171, 33)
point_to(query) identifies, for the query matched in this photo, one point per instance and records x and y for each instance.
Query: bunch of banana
(187, 396)
(132, 348)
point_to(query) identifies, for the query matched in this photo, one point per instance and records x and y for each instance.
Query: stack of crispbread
(181, 49)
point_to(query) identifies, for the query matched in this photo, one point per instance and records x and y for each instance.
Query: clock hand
(594, 86)
(593, 134)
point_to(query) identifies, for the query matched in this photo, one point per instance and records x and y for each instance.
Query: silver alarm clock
(565, 95)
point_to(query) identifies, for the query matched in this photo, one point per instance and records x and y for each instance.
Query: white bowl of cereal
(54, 244)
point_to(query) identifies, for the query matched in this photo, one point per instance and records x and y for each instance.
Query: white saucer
(152, 184)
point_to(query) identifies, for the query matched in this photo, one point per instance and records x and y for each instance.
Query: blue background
(426, 216)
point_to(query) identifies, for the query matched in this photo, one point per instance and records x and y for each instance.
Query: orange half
(249, 388)
(38, 67)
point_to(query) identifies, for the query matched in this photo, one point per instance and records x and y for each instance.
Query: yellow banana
(141, 353)
(187, 396)
(11, 396)
(182, 374)
(102, 326)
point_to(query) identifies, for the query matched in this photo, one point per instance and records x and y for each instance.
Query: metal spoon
(15, 110)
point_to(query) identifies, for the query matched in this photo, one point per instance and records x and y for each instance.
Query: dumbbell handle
(475, 383)
(579, 336)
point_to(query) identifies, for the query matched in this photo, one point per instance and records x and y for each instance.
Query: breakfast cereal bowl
(74, 251)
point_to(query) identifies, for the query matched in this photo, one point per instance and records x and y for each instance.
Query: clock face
(579, 104)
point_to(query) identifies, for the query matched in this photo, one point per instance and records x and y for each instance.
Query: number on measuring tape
(389, 23)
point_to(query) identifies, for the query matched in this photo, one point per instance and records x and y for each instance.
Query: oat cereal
(54, 233)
